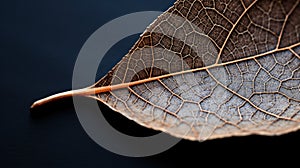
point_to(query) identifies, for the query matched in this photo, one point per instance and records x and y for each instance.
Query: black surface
(39, 44)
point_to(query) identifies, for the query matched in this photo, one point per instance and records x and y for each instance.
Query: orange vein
(91, 91)
(284, 23)
(231, 30)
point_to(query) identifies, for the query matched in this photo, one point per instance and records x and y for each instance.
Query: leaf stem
(67, 94)
(52, 98)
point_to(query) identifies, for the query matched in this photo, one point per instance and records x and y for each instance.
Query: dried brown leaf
(212, 69)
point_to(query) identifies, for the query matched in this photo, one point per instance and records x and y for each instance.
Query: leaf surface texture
(213, 69)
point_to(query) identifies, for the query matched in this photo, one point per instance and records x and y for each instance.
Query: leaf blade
(206, 69)
(212, 120)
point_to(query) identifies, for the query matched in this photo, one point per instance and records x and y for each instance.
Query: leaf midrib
(97, 90)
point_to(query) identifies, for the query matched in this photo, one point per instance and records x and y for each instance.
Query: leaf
(211, 69)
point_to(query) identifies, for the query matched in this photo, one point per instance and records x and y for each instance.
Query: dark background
(40, 40)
